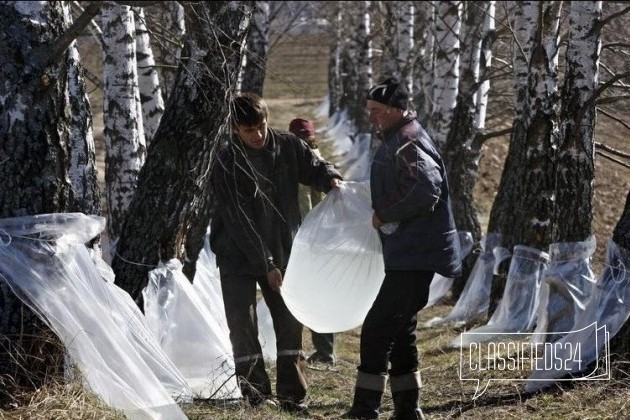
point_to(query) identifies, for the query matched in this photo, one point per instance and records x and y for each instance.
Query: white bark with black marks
(170, 213)
(148, 81)
(575, 167)
(252, 78)
(446, 69)
(123, 129)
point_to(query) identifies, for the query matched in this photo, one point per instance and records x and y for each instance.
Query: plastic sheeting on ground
(606, 311)
(516, 312)
(189, 333)
(566, 285)
(336, 266)
(475, 298)
(46, 264)
(440, 285)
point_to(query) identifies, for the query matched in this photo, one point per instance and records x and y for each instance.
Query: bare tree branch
(612, 150)
(612, 117)
(602, 154)
(44, 54)
(481, 138)
(613, 99)
(607, 20)
(94, 28)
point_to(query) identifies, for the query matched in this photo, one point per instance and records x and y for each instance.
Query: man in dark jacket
(255, 186)
(413, 214)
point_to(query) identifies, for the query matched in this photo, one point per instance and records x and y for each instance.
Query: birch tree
(398, 40)
(523, 208)
(575, 166)
(334, 62)
(423, 66)
(169, 213)
(123, 130)
(463, 145)
(166, 23)
(356, 66)
(446, 69)
(86, 193)
(150, 90)
(35, 136)
(255, 59)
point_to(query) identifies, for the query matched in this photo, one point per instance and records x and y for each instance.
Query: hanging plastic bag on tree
(516, 312)
(566, 285)
(189, 334)
(336, 266)
(607, 310)
(46, 264)
(475, 298)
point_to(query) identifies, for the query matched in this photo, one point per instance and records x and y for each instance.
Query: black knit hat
(390, 92)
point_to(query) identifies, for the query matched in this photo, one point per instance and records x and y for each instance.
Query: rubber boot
(367, 397)
(406, 405)
(406, 393)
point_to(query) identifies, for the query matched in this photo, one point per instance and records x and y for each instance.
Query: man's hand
(335, 183)
(274, 279)
(376, 222)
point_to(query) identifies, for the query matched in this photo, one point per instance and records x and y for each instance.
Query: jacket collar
(410, 116)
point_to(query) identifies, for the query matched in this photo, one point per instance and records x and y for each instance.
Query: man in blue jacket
(413, 214)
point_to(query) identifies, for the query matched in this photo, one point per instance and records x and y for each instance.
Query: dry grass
(296, 85)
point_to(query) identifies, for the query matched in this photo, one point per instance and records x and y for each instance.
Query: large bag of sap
(336, 267)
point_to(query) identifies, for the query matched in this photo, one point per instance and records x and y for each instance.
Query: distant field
(297, 67)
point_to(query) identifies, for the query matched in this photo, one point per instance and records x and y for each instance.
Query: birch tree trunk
(334, 63)
(461, 151)
(523, 208)
(355, 66)
(123, 130)
(446, 69)
(485, 63)
(575, 167)
(148, 81)
(86, 193)
(170, 212)
(423, 97)
(34, 151)
(167, 23)
(398, 41)
(255, 68)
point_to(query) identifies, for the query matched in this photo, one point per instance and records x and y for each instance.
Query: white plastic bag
(336, 266)
(475, 298)
(189, 333)
(607, 310)
(566, 286)
(47, 266)
(516, 312)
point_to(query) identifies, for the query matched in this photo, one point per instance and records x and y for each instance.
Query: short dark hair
(248, 109)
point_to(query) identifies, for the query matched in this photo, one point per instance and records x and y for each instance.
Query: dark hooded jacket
(255, 192)
(409, 186)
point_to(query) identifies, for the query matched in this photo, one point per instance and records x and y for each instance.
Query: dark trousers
(388, 334)
(324, 343)
(239, 297)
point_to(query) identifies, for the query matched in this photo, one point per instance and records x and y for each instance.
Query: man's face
(382, 116)
(253, 136)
